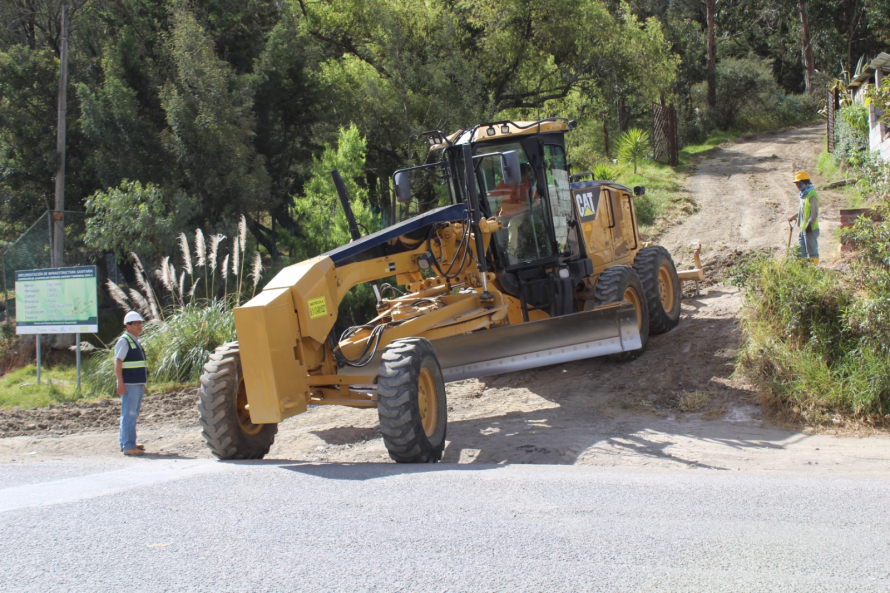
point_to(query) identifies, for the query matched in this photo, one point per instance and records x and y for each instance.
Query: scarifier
(505, 261)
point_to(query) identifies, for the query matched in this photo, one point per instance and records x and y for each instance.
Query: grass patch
(692, 152)
(804, 351)
(828, 166)
(57, 385)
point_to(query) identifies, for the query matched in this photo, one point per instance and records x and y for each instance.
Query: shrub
(634, 146)
(747, 96)
(851, 134)
(802, 349)
(603, 172)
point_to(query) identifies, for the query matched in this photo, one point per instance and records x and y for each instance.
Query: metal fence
(33, 250)
(665, 143)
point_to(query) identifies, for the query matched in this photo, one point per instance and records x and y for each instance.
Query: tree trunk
(606, 133)
(809, 72)
(712, 55)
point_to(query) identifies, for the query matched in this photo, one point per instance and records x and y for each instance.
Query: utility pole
(58, 216)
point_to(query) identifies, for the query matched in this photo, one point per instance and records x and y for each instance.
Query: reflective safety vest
(806, 209)
(134, 369)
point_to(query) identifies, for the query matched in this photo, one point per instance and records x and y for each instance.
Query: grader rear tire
(621, 283)
(657, 272)
(411, 402)
(222, 401)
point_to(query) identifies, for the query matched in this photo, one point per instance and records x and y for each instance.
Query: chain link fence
(33, 250)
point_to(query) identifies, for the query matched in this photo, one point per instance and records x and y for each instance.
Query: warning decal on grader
(586, 203)
(318, 307)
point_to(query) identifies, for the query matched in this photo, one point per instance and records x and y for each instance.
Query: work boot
(814, 261)
(134, 452)
(141, 447)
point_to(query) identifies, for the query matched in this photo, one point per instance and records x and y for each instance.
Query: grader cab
(505, 261)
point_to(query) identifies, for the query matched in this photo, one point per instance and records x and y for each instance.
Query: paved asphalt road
(183, 525)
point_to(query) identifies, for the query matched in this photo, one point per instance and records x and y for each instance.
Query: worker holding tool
(807, 217)
(131, 371)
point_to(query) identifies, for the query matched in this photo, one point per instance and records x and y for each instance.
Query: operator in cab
(516, 202)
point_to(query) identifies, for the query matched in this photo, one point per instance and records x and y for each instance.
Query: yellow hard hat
(801, 176)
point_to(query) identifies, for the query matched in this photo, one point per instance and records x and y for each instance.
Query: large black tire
(225, 423)
(621, 283)
(657, 272)
(411, 402)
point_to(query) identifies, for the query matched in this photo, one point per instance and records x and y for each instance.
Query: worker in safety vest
(132, 374)
(807, 217)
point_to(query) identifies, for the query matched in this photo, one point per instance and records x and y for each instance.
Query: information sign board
(56, 301)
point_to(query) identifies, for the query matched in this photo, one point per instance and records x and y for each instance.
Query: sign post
(57, 301)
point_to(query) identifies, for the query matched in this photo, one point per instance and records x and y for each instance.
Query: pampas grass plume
(200, 249)
(119, 296)
(186, 253)
(256, 268)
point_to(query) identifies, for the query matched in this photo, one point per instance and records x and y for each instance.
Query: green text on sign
(56, 300)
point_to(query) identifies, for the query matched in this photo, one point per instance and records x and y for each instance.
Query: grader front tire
(222, 403)
(411, 402)
(621, 283)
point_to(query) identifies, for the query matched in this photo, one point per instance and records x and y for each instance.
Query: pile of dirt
(178, 407)
(717, 264)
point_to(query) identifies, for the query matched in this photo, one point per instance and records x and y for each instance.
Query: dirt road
(676, 406)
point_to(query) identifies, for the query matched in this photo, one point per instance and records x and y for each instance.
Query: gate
(831, 107)
(665, 145)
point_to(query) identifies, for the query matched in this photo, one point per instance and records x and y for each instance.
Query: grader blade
(607, 330)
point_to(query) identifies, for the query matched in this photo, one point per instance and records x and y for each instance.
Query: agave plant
(603, 172)
(633, 146)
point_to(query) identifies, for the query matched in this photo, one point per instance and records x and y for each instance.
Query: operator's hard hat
(131, 317)
(801, 176)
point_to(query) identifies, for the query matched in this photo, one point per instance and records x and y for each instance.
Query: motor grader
(502, 260)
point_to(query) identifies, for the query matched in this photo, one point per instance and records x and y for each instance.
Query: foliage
(870, 275)
(851, 134)
(603, 172)
(803, 348)
(133, 217)
(319, 212)
(634, 146)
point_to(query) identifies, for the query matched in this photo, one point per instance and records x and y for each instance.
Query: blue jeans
(131, 403)
(809, 243)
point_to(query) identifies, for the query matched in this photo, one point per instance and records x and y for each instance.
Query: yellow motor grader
(502, 261)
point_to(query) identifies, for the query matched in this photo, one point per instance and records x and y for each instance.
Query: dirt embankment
(676, 404)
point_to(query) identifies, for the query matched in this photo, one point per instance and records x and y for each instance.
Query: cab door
(624, 237)
(592, 213)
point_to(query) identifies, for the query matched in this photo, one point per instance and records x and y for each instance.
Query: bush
(747, 96)
(803, 350)
(634, 146)
(603, 172)
(851, 134)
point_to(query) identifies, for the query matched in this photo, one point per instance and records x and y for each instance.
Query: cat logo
(586, 203)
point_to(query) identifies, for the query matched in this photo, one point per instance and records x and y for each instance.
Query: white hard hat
(131, 317)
